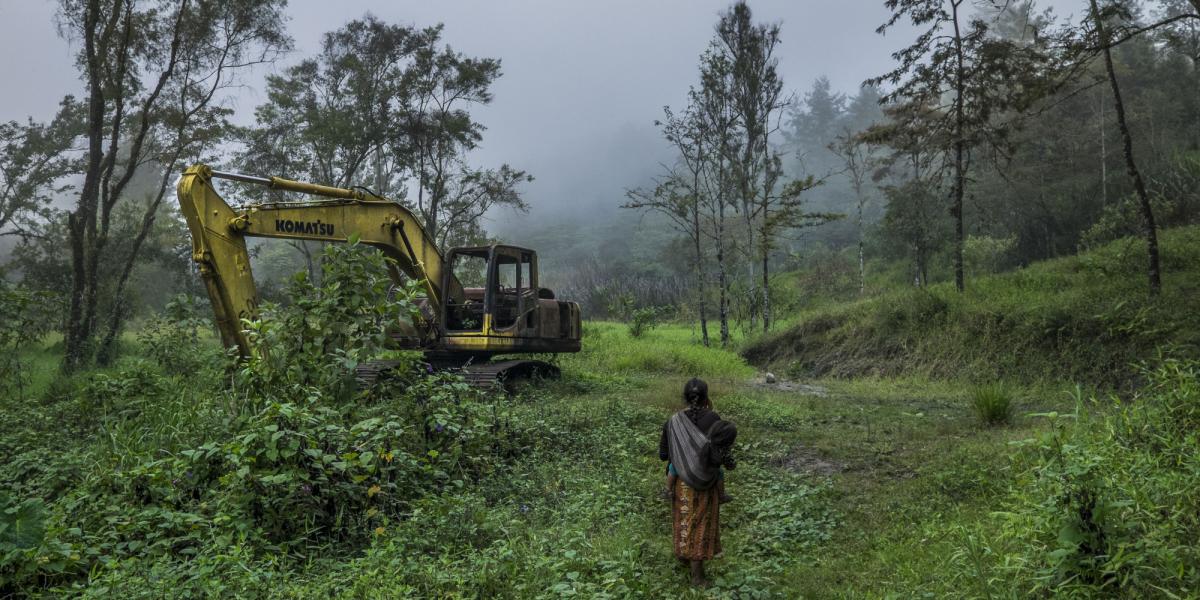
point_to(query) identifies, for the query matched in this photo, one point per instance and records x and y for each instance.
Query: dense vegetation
(161, 474)
(973, 281)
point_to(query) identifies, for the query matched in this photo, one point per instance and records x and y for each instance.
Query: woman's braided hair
(695, 395)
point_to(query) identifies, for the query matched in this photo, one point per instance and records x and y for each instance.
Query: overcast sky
(582, 83)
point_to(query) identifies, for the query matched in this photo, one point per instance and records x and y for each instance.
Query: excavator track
(505, 373)
(486, 376)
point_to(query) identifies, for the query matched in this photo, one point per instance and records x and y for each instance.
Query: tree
(981, 75)
(767, 203)
(380, 102)
(813, 124)
(438, 132)
(910, 219)
(1182, 32)
(854, 152)
(1150, 228)
(34, 158)
(716, 126)
(678, 195)
(913, 221)
(469, 195)
(332, 118)
(1102, 37)
(152, 72)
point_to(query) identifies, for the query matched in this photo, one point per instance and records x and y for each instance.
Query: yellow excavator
(479, 302)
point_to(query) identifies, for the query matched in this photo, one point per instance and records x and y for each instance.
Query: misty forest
(290, 308)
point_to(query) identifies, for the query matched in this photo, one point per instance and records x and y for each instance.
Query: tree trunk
(1103, 158)
(82, 220)
(701, 303)
(117, 315)
(862, 267)
(722, 276)
(744, 188)
(959, 150)
(722, 279)
(862, 260)
(1149, 227)
(766, 290)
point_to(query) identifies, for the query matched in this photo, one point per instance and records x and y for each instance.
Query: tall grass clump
(993, 404)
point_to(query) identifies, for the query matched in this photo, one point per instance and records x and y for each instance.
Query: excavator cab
(502, 301)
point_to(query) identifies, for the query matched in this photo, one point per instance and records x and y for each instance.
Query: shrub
(172, 339)
(326, 330)
(993, 404)
(985, 254)
(643, 320)
(27, 316)
(291, 456)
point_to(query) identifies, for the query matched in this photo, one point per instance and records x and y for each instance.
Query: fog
(582, 83)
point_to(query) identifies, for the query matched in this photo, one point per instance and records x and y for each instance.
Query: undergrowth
(178, 473)
(1106, 501)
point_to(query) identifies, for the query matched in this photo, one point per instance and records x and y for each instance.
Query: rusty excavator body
(461, 327)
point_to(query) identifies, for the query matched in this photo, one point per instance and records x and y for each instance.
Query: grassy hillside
(1084, 318)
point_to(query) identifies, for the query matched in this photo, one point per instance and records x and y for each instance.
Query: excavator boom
(219, 234)
(462, 328)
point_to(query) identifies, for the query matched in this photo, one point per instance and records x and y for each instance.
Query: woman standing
(696, 442)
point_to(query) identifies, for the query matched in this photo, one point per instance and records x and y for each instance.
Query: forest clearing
(297, 302)
(848, 487)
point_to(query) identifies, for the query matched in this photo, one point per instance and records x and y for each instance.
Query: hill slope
(1084, 318)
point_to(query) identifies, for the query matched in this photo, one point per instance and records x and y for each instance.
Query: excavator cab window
(470, 268)
(506, 293)
(528, 290)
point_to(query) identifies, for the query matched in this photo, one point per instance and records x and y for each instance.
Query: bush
(291, 457)
(643, 320)
(993, 404)
(313, 343)
(984, 254)
(26, 316)
(172, 339)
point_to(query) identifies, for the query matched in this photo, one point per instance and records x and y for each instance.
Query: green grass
(833, 492)
(1085, 318)
(667, 349)
(883, 483)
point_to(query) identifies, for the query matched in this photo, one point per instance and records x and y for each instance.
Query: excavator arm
(219, 233)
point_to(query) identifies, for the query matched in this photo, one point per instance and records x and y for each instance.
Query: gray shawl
(689, 450)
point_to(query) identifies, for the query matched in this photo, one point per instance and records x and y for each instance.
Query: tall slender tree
(677, 195)
(717, 125)
(137, 57)
(1149, 226)
(854, 152)
(1109, 25)
(972, 78)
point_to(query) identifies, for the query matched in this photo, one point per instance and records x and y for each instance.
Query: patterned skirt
(697, 522)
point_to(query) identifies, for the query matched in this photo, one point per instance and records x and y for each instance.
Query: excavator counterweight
(464, 327)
